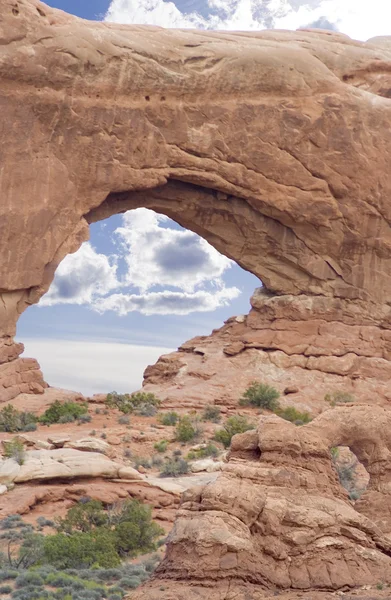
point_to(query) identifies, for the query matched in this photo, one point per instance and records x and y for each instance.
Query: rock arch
(275, 146)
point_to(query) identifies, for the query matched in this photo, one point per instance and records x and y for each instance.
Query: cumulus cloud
(157, 256)
(357, 18)
(167, 303)
(81, 277)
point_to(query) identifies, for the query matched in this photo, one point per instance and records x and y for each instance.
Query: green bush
(339, 398)
(83, 517)
(128, 403)
(209, 450)
(212, 413)
(290, 413)
(63, 412)
(168, 418)
(15, 449)
(84, 419)
(161, 446)
(232, 426)
(82, 550)
(29, 578)
(174, 466)
(261, 395)
(187, 429)
(124, 420)
(12, 420)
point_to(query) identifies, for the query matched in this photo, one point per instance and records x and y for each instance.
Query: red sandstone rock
(259, 159)
(314, 346)
(277, 516)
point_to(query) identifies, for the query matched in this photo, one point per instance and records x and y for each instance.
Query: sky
(142, 285)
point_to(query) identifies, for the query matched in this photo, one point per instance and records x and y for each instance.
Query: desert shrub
(31, 551)
(339, 397)
(174, 466)
(141, 461)
(127, 453)
(290, 413)
(261, 395)
(209, 450)
(63, 412)
(232, 426)
(29, 578)
(177, 452)
(13, 420)
(84, 419)
(128, 403)
(130, 582)
(187, 429)
(15, 449)
(124, 420)
(81, 550)
(146, 410)
(157, 461)
(64, 419)
(7, 574)
(6, 589)
(103, 436)
(30, 427)
(115, 597)
(161, 446)
(89, 535)
(168, 418)
(212, 413)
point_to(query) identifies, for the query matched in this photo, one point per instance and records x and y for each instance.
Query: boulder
(62, 463)
(90, 444)
(206, 464)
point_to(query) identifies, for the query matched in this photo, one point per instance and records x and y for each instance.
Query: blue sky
(142, 285)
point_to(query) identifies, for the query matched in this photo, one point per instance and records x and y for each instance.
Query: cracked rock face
(274, 146)
(277, 517)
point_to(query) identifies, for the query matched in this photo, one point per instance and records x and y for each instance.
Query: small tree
(187, 429)
(12, 420)
(63, 412)
(232, 426)
(261, 395)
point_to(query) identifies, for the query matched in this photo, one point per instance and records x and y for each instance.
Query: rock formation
(307, 347)
(277, 517)
(63, 463)
(273, 145)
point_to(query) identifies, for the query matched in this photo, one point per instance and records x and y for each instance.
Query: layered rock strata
(308, 347)
(274, 146)
(277, 517)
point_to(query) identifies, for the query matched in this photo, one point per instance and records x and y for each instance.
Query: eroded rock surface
(277, 517)
(307, 347)
(273, 145)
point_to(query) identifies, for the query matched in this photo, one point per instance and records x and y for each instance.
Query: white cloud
(156, 255)
(167, 303)
(82, 276)
(358, 18)
(91, 368)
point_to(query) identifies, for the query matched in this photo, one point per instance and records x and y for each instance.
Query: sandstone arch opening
(139, 288)
(352, 474)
